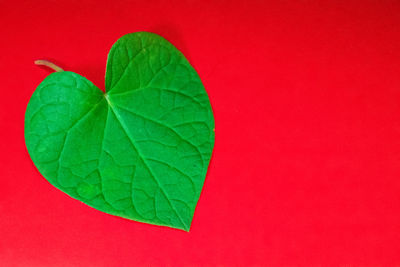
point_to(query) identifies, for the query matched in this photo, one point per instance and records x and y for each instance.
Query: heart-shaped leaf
(139, 151)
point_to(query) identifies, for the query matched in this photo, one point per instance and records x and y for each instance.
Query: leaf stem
(48, 64)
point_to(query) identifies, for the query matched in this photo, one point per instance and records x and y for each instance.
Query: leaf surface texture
(139, 151)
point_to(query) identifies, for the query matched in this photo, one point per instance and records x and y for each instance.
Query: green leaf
(139, 151)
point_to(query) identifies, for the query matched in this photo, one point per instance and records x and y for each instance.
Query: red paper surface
(305, 171)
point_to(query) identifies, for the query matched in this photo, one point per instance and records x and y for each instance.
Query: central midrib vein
(120, 120)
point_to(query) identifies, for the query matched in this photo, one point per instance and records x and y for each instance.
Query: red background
(305, 171)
